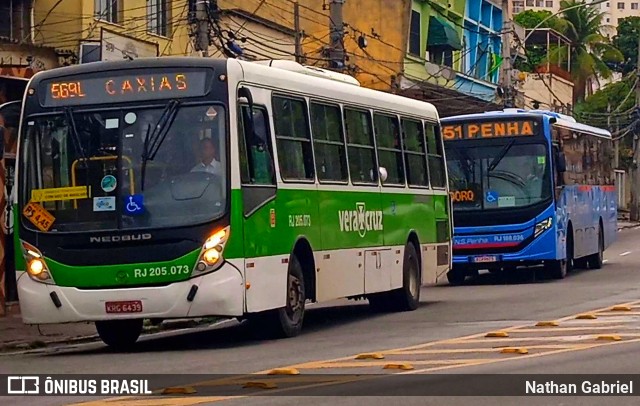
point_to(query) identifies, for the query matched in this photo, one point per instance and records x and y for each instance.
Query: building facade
(453, 55)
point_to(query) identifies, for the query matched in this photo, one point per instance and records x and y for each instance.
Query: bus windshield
(125, 168)
(496, 175)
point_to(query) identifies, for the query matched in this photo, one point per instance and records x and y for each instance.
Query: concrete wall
(556, 88)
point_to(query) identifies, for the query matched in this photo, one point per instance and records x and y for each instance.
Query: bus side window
(435, 155)
(256, 157)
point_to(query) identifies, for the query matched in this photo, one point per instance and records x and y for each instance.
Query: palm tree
(590, 50)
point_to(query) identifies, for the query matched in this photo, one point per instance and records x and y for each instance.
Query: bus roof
(561, 120)
(321, 84)
(333, 88)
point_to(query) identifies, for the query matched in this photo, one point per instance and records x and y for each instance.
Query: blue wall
(483, 22)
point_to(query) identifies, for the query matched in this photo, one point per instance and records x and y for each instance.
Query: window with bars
(414, 34)
(15, 22)
(158, 17)
(108, 10)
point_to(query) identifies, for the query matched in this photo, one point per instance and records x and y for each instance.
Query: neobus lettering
(160, 271)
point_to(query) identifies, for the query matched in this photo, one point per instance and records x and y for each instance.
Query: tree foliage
(531, 19)
(627, 42)
(591, 52)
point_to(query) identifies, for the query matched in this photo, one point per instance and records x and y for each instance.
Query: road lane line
(625, 253)
(570, 344)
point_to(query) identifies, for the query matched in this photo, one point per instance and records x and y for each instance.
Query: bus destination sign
(489, 129)
(122, 88)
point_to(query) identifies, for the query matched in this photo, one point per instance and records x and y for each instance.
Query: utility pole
(633, 214)
(202, 33)
(505, 72)
(298, 35)
(336, 30)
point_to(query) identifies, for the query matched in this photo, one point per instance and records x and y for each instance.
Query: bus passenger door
(257, 217)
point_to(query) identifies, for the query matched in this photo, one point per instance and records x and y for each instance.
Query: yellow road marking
(474, 350)
(560, 329)
(368, 364)
(435, 365)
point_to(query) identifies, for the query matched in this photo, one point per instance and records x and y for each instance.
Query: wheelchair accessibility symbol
(133, 204)
(492, 196)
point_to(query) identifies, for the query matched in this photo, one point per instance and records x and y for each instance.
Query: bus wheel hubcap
(294, 307)
(413, 282)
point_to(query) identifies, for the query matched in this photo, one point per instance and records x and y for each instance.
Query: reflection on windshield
(92, 181)
(519, 176)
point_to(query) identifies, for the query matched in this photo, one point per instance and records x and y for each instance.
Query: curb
(178, 326)
(628, 226)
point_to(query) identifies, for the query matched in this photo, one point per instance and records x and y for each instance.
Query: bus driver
(208, 162)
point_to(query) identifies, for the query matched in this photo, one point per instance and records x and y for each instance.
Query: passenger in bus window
(208, 162)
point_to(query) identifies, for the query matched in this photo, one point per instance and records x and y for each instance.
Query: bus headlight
(542, 226)
(211, 254)
(36, 266)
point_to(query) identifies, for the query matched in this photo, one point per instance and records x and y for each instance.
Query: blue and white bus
(528, 188)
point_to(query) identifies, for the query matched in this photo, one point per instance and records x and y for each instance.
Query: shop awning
(442, 35)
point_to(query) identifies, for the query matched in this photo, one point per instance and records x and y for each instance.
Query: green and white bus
(192, 187)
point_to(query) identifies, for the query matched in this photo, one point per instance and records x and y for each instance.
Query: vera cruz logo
(360, 220)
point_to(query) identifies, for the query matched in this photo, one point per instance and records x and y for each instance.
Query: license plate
(131, 306)
(486, 258)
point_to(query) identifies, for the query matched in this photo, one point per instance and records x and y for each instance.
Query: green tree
(618, 96)
(536, 54)
(531, 19)
(627, 42)
(591, 52)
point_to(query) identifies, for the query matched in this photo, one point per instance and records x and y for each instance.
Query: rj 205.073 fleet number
(161, 271)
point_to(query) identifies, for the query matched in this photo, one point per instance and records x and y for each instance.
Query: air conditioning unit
(90, 52)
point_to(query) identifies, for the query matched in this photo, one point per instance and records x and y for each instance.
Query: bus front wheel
(119, 334)
(595, 260)
(287, 321)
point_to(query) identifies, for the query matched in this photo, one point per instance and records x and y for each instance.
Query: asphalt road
(446, 335)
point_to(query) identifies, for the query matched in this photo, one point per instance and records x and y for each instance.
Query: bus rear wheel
(119, 334)
(407, 298)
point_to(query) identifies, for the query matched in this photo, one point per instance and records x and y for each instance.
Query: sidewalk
(15, 335)
(622, 225)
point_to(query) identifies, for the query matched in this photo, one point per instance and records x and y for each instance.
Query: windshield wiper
(154, 140)
(501, 155)
(77, 143)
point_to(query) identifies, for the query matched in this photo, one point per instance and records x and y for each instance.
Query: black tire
(581, 263)
(456, 277)
(119, 334)
(556, 269)
(287, 321)
(559, 269)
(407, 298)
(596, 260)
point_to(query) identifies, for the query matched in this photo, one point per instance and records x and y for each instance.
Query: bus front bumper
(220, 293)
(537, 252)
